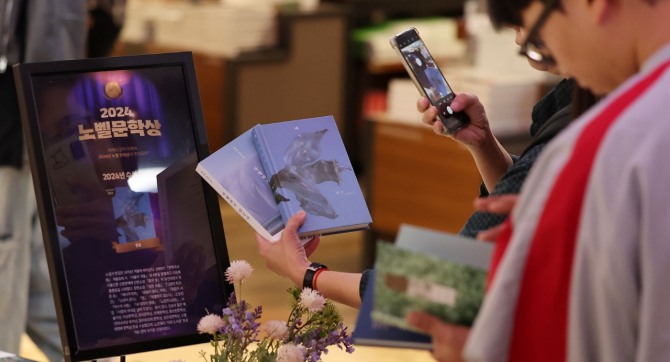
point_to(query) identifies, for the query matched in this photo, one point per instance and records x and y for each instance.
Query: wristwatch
(307, 281)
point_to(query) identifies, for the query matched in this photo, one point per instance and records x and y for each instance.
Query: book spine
(270, 169)
(236, 205)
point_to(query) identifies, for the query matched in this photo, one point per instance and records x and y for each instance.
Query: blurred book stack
(439, 33)
(219, 29)
(507, 98)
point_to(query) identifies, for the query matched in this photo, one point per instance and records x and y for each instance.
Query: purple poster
(134, 234)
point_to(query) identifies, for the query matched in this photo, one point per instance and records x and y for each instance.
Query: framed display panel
(134, 238)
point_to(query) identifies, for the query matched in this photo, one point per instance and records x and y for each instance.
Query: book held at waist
(431, 271)
(368, 332)
(308, 169)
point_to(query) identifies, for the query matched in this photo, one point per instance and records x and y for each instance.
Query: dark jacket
(33, 31)
(550, 115)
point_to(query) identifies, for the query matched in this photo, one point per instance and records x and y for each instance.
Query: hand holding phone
(428, 78)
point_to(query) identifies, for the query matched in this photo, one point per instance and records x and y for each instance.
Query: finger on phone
(422, 104)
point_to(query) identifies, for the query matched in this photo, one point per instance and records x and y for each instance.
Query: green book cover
(426, 270)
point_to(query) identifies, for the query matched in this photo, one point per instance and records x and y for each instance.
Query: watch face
(316, 266)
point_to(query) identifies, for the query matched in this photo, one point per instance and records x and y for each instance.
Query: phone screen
(426, 72)
(428, 77)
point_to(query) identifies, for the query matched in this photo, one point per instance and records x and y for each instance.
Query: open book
(236, 173)
(274, 170)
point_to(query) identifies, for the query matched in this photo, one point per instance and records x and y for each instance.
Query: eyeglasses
(533, 48)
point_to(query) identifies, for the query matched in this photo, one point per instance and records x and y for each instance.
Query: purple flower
(313, 325)
(317, 341)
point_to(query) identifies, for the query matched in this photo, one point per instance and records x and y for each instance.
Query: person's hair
(507, 12)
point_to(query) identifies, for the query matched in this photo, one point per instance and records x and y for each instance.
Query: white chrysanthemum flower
(238, 271)
(210, 323)
(312, 300)
(275, 329)
(291, 353)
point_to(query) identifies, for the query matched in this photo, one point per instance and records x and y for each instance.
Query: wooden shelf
(416, 177)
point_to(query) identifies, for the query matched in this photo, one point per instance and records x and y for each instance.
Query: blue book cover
(369, 332)
(235, 172)
(309, 169)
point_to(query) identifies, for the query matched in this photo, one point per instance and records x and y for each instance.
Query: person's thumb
(422, 321)
(294, 223)
(262, 243)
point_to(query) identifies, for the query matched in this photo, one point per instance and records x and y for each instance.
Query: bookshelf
(367, 12)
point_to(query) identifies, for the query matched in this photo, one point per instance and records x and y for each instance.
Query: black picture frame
(118, 291)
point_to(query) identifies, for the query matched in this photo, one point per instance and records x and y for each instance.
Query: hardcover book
(236, 173)
(431, 271)
(309, 169)
(368, 332)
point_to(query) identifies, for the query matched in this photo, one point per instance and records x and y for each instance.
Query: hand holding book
(447, 339)
(288, 256)
(429, 282)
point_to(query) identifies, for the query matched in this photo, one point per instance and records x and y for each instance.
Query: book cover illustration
(309, 169)
(236, 173)
(368, 332)
(134, 216)
(435, 272)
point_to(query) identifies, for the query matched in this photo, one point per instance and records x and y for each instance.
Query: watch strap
(308, 280)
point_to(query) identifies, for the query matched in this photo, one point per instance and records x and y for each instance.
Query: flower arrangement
(313, 324)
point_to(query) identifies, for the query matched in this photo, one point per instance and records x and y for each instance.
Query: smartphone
(428, 78)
